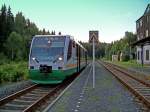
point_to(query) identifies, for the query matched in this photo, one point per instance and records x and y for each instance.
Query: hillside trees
(106, 50)
(16, 34)
(3, 26)
(13, 45)
(14, 29)
(10, 22)
(122, 46)
(99, 49)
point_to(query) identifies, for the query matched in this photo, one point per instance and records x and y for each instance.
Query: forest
(16, 33)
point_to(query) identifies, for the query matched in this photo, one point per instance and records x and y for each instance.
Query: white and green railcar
(53, 58)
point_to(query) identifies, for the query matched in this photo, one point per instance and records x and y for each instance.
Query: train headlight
(60, 58)
(33, 58)
(49, 42)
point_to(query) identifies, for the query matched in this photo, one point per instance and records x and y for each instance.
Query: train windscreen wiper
(35, 60)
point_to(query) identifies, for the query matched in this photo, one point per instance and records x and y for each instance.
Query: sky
(76, 17)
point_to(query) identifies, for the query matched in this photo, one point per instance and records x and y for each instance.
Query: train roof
(71, 37)
(50, 35)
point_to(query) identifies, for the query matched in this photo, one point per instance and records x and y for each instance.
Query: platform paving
(109, 95)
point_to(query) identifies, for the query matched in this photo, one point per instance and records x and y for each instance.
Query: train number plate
(45, 69)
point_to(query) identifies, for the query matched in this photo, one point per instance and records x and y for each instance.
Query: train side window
(77, 50)
(74, 43)
(69, 50)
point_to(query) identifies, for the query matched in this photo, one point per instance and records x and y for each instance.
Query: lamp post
(93, 63)
(93, 38)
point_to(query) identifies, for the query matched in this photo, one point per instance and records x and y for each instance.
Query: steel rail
(17, 94)
(35, 102)
(42, 99)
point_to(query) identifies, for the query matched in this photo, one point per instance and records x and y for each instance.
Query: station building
(143, 37)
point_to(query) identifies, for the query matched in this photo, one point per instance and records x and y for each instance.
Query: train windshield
(47, 48)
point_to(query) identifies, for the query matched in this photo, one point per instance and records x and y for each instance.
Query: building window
(141, 22)
(146, 33)
(137, 24)
(141, 35)
(138, 55)
(147, 18)
(138, 37)
(147, 54)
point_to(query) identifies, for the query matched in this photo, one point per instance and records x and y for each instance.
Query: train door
(78, 57)
(86, 57)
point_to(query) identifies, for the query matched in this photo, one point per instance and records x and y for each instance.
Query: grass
(134, 64)
(127, 64)
(13, 72)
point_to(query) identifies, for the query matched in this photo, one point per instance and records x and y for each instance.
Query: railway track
(139, 87)
(28, 99)
(34, 98)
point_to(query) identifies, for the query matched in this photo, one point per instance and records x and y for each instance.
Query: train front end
(46, 59)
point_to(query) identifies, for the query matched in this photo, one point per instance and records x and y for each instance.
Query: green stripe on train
(57, 76)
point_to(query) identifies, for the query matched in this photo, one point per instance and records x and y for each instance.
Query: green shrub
(14, 71)
(125, 58)
(3, 59)
(0, 77)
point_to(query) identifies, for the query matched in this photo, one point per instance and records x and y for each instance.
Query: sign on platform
(93, 35)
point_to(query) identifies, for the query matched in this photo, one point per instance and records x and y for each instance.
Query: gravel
(14, 87)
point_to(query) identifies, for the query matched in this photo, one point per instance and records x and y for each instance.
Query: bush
(13, 72)
(3, 59)
(125, 58)
(0, 77)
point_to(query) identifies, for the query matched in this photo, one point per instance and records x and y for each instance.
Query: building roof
(142, 41)
(147, 11)
(147, 39)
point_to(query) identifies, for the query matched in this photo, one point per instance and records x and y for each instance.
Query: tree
(44, 32)
(14, 45)
(122, 46)
(10, 22)
(20, 23)
(3, 16)
(16, 29)
(54, 32)
(59, 33)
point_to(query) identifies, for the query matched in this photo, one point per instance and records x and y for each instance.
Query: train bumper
(55, 77)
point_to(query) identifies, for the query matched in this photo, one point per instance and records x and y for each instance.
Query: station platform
(109, 95)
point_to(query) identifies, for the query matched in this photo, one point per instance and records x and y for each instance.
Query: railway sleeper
(9, 110)
(27, 98)
(22, 102)
(14, 107)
